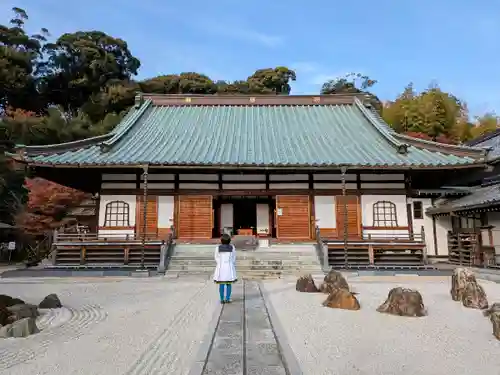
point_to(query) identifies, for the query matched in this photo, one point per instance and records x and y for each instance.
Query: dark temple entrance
(245, 214)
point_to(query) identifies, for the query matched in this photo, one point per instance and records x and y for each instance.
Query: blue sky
(452, 42)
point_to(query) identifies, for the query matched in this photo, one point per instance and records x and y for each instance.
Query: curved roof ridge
(61, 147)
(127, 124)
(380, 126)
(419, 142)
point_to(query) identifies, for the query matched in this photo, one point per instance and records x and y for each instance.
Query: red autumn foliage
(441, 139)
(48, 205)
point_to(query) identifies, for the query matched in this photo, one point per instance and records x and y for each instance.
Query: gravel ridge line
(159, 353)
(72, 329)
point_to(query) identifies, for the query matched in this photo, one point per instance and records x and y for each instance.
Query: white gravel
(112, 326)
(450, 340)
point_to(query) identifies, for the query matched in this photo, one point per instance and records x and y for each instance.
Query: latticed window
(117, 214)
(384, 214)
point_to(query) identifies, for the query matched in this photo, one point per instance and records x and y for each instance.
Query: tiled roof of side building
(266, 131)
(490, 141)
(481, 196)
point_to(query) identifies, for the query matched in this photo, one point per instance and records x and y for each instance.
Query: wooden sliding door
(293, 217)
(195, 216)
(353, 216)
(151, 216)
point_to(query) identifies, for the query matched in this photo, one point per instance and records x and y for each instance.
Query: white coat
(225, 271)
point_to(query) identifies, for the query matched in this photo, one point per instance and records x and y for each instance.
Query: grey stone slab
(228, 344)
(230, 331)
(265, 370)
(287, 354)
(222, 363)
(263, 354)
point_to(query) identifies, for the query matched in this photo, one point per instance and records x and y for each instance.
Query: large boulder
(332, 281)
(495, 321)
(459, 280)
(342, 299)
(19, 312)
(403, 302)
(495, 308)
(306, 284)
(19, 328)
(7, 301)
(474, 296)
(52, 301)
(4, 316)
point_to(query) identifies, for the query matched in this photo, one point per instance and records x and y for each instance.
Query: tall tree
(485, 124)
(271, 81)
(81, 64)
(432, 112)
(19, 56)
(353, 83)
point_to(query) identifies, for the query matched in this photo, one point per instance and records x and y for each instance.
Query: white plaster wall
(226, 212)
(229, 186)
(426, 222)
(443, 225)
(118, 185)
(105, 199)
(290, 185)
(263, 219)
(288, 177)
(198, 177)
(165, 211)
(118, 177)
(367, 202)
(324, 209)
(243, 177)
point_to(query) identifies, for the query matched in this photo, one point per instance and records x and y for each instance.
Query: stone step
(247, 261)
(247, 270)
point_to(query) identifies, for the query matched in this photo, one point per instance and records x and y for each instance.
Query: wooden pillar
(343, 170)
(145, 208)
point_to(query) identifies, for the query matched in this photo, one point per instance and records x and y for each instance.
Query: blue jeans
(227, 289)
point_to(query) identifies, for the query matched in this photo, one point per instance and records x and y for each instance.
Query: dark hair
(225, 239)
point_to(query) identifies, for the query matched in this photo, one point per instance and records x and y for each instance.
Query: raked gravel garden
(450, 340)
(156, 326)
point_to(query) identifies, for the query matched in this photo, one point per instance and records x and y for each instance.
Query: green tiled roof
(481, 196)
(254, 135)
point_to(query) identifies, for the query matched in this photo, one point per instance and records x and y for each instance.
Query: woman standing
(225, 272)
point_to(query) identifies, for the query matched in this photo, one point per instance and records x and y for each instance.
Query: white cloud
(245, 34)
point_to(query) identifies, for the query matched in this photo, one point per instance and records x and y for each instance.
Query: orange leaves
(48, 205)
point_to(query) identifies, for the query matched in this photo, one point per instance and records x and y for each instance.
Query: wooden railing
(400, 237)
(114, 237)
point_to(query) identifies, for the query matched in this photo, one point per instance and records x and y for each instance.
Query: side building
(280, 168)
(469, 209)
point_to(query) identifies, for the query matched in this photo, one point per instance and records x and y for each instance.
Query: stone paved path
(243, 341)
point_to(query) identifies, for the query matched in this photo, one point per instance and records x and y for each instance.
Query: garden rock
(306, 284)
(4, 316)
(474, 296)
(403, 302)
(495, 321)
(7, 301)
(459, 280)
(19, 312)
(332, 281)
(495, 308)
(342, 299)
(19, 328)
(52, 301)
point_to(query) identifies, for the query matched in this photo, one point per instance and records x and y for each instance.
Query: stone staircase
(273, 262)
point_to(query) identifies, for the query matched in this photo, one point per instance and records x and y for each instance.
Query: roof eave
(257, 166)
